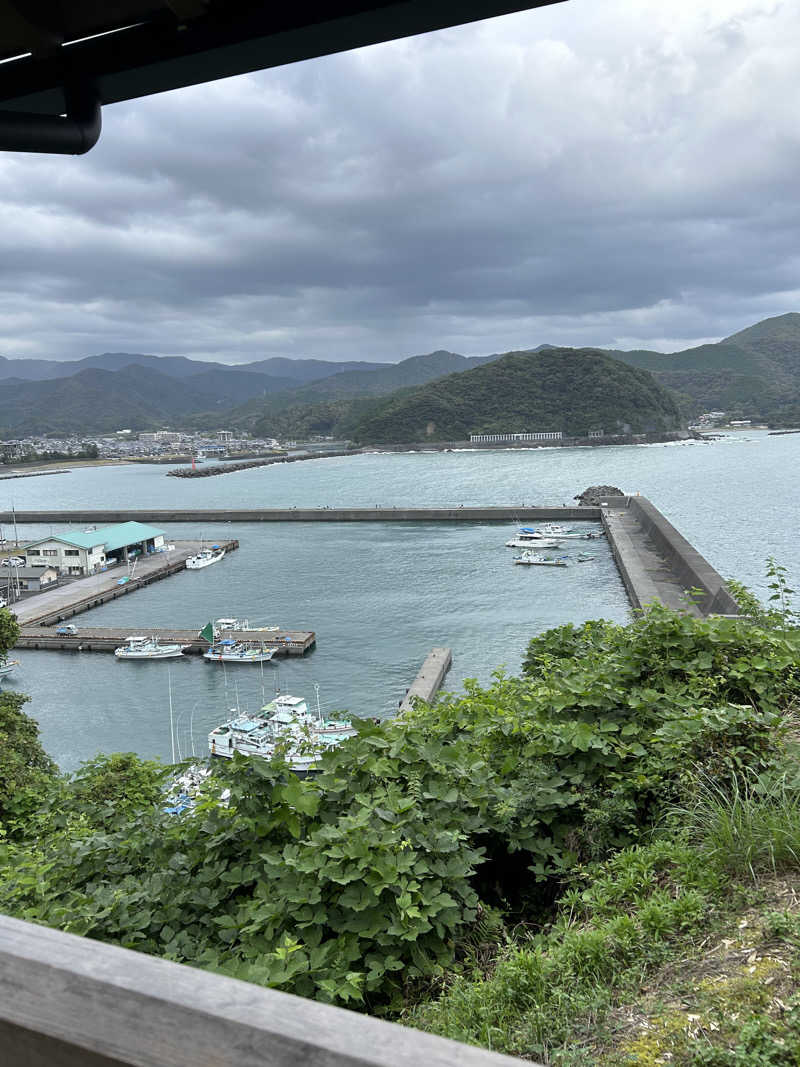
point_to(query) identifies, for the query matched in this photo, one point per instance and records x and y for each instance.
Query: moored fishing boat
(205, 557)
(283, 727)
(230, 651)
(531, 559)
(7, 667)
(234, 625)
(148, 648)
(532, 540)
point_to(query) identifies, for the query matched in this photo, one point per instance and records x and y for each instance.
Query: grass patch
(547, 994)
(748, 825)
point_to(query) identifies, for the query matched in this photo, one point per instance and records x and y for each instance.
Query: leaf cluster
(355, 886)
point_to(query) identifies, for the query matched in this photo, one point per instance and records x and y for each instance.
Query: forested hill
(572, 390)
(752, 373)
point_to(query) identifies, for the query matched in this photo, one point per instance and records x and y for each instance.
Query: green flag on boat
(208, 632)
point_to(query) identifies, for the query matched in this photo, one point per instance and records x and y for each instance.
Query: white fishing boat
(531, 559)
(233, 625)
(284, 727)
(148, 648)
(551, 529)
(532, 540)
(205, 557)
(230, 651)
(7, 667)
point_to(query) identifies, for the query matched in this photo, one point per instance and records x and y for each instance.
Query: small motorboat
(532, 559)
(7, 667)
(532, 541)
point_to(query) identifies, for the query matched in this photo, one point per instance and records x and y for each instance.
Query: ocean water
(379, 596)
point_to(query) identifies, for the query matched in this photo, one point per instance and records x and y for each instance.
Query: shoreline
(55, 466)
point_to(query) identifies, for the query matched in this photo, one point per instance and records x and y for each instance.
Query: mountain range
(753, 373)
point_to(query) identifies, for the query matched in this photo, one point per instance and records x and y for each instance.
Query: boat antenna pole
(171, 730)
(191, 727)
(319, 709)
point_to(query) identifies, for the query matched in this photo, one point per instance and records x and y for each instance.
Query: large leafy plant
(352, 885)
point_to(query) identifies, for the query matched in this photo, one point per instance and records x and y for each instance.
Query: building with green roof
(78, 552)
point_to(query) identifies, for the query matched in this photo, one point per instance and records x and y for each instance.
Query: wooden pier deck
(107, 638)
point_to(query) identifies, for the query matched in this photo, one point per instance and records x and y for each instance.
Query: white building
(79, 552)
(497, 438)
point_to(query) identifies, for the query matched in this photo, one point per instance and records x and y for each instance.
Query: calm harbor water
(380, 595)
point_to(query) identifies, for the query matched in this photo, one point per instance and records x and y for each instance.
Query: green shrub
(357, 886)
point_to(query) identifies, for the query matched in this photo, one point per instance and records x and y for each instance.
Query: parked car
(12, 561)
(67, 631)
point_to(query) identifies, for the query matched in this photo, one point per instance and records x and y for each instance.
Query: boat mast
(319, 709)
(171, 729)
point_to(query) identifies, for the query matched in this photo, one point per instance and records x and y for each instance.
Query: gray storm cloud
(610, 174)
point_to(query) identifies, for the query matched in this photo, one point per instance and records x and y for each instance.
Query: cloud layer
(611, 174)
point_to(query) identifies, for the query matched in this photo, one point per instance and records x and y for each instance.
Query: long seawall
(517, 513)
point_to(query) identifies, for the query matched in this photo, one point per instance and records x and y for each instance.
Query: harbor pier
(58, 603)
(429, 680)
(107, 638)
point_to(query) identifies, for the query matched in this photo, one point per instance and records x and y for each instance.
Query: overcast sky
(624, 174)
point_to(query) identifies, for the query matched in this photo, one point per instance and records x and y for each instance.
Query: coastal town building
(493, 438)
(80, 552)
(34, 579)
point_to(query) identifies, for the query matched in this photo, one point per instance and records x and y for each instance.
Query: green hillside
(98, 401)
(755, 372)
(572, 390)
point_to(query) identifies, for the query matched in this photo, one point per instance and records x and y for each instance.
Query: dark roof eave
(154, 57)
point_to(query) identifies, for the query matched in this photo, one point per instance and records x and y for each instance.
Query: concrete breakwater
(513, 513)
(230, 468)
(31, 474)
(656, 562)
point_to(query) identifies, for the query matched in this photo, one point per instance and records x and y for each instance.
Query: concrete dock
(429, 680)
(107, 638)
(57, 603)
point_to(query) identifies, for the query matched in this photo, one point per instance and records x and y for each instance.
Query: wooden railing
(68, 1001)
